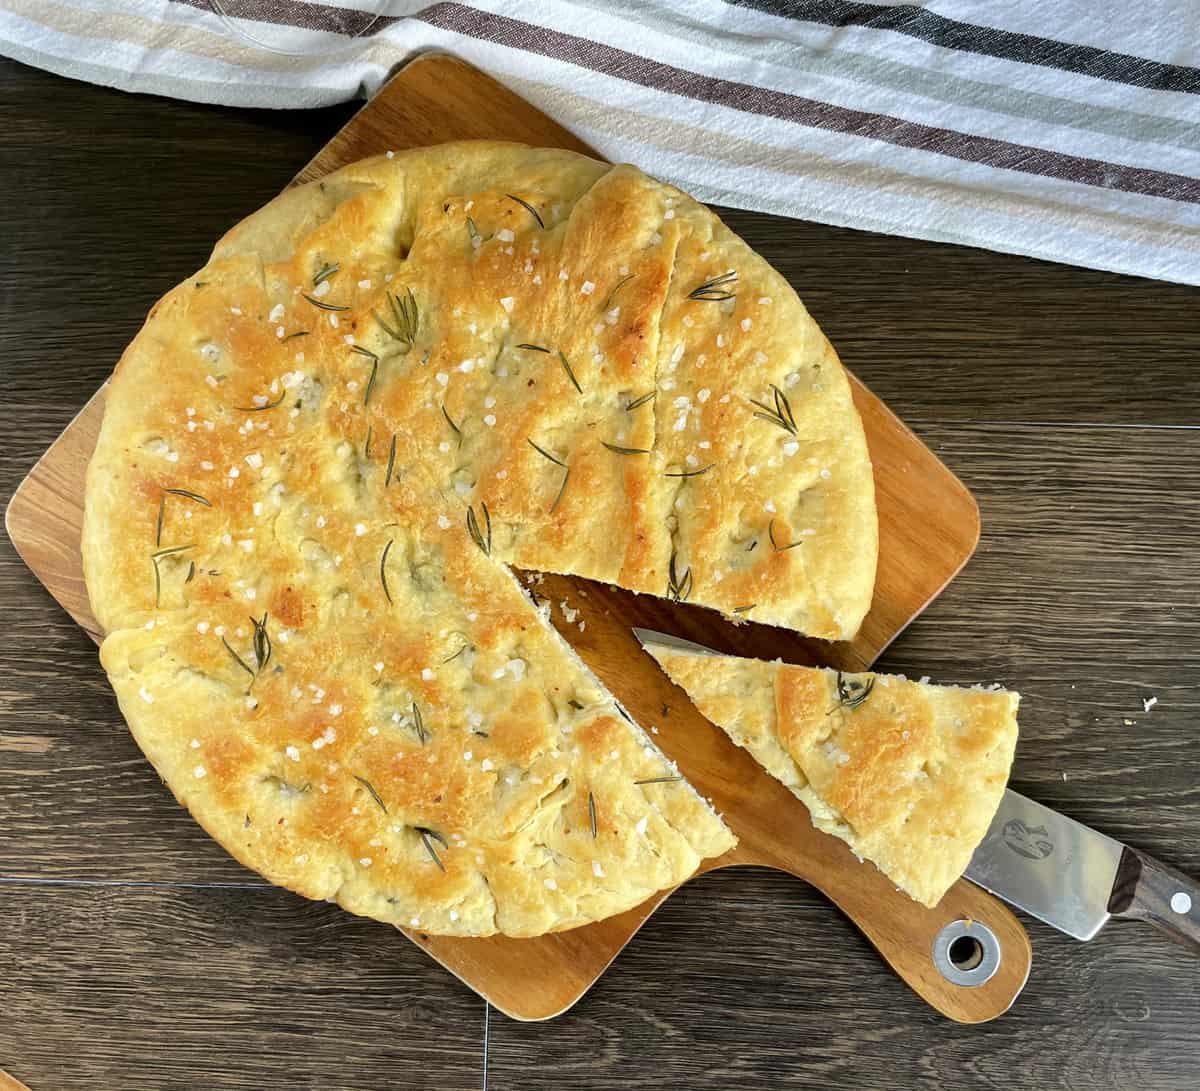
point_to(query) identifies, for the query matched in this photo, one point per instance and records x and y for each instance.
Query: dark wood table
(135, 954)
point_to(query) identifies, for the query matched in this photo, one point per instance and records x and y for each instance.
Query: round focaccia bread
(321, 453)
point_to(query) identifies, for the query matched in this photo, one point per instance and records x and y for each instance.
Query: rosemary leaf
(195, 496)
(744, 609)
(625, 450)
(172, 549)
(775, 545)
(419, 724)
(367, 445)
(262, 408)
(592, 814)
(262, 643)
(325, 272)
(660, 780)
(191, 572)
(679, 587)
(637, 403)
(533, 348)
(715, 290)
(237, 658)
(689, 473)
(320, 303)
(615, 289)
(567, 368)
(453, 427)
(529, 208)
(428, 836)
(162, 509)
(391, 462)
(472, 230)
(484, 541)
(544, 453)
(383, 570)
(291, 336)
(374, 794)
(561, 489)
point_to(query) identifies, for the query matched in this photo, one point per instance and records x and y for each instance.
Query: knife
(1063, 873)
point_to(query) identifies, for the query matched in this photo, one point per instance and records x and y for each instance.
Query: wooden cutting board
(929, 526)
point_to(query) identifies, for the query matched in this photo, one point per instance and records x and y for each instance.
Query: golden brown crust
(327, 436)
(909, 775)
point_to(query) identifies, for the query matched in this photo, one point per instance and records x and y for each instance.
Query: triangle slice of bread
(908, 775)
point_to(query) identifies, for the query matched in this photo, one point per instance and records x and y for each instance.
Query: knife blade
(1075, 878)
(1060, 871)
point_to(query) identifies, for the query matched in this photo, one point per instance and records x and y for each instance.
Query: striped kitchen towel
(1063, 130)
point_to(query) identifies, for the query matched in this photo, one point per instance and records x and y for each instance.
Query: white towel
(1068, 131)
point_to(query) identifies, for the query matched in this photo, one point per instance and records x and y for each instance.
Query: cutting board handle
(969, 957)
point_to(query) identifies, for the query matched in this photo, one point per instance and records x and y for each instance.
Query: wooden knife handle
(1147, 890)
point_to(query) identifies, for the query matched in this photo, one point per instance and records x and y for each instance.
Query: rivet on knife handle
(1150, 891)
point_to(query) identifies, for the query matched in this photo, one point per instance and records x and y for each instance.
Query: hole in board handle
(966, 953)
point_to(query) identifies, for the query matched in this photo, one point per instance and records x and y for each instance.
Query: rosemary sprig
(615, 289)
(689, 473)
(453, 427)
(780, 415)
(262, 408)
(775, 545)
(374, 794)
(851, 694)
(383, 570)
(320, 303)
(529, 208)
(637, 403)
(592, 814)
(325, 272)
(292, 336)
(419, 724)
(660, 780)
(481, 539)
(261, 643)
(533, 348)
(715, 290)
(238, 659)
(562, 356)
(625, 450)
(391, 462)
(406, 315)
(428, 837)
(678, 586)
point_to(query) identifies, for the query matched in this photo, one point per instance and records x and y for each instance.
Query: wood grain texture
(1083, 596)
(224, 979)
(929, 526)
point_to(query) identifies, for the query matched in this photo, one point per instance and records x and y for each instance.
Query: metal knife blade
(1049, 865)
(648, 638)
